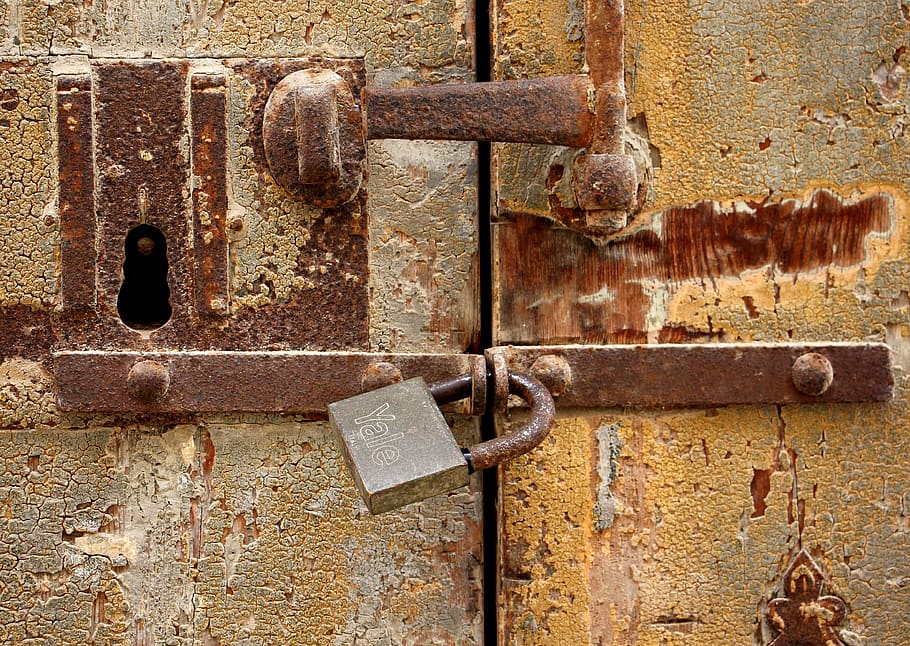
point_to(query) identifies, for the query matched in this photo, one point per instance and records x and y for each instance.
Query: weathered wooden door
(134, 191)
(776, 212)
(141, 223)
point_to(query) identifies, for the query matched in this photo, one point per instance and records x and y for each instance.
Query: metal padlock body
(397, 445)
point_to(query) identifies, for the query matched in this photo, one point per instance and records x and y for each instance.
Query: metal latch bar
(700, 375)
(581, 376)
(303, 383)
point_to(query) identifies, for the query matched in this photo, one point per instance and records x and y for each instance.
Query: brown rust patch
(210, 202)
(76, 173)
(559, 286)
(26, 333)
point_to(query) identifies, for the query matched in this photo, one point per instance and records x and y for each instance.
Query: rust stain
(26, 333)
(557, 285)
(76, 173)
(210, 201)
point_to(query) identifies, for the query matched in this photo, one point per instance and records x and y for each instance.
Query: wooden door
(230, 528)
(775, 136)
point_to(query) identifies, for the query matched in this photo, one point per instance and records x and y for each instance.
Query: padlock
(399, 448)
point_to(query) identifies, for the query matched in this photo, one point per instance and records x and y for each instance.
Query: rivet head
(812, 374)
(378, 375)
(553, 372)
(148, 381)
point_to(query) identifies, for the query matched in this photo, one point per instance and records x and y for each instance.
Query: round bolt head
(148, 381)
(812, 374)
(553, 372)
(378, 375)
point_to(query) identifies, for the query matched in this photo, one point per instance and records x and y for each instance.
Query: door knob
(314, 129)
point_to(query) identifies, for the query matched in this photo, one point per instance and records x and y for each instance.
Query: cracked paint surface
(677, 527)
(242, 529)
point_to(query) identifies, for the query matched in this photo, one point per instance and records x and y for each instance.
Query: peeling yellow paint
(687, 546)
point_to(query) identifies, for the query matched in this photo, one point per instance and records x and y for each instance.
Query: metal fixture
(304, 383)
(399, 448)
(803, 616)
(314, 133)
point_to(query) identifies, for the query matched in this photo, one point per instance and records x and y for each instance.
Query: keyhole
(144, 299)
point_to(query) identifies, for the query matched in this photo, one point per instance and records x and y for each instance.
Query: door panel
(777, 211)
(222, 529)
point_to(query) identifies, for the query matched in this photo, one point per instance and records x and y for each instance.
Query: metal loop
(530, 434)
(511, 445)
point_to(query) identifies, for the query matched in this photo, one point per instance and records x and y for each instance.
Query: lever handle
(315, 133)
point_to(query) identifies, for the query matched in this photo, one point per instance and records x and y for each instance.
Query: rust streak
(76, 181)
(560, 286)
(210, 203)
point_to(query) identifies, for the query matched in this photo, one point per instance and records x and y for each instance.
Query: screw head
(812, 374)
(148, 381)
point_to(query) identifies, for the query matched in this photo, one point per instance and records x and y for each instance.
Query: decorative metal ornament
(804, 617)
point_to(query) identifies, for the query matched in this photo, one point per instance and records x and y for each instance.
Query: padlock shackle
(452, 390)
(511, 445)
(530, 434)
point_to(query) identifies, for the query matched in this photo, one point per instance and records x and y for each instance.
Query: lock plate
(397, 445)
(176, 145)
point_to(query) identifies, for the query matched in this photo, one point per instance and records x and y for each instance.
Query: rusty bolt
(553, 372)
(312, 133)
(148, 381)
(605, 182)
(812, 374)
(236, 224)
(379, 374)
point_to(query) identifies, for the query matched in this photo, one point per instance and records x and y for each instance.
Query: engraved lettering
(376, 435)
(377, 415)
(386, 455)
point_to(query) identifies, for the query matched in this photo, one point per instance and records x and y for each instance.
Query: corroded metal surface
(803, 616)
(208, 114)
(673, 375)
(77, 183)
(604, 183)
(312, 132)
(528, 435)
(146, 113)
(812, 374)
(286, 382)
(548, 111)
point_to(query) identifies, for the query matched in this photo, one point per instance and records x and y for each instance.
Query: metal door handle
(314, 130)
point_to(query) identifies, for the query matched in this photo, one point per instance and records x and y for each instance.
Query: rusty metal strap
(301, 383)
(678, 375)
(304, 383)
